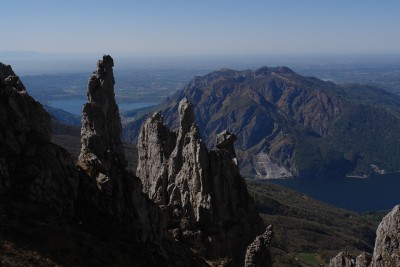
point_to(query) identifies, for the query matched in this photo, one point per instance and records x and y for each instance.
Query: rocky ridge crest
(202, 193)
(94, 207)
(31, 167)
(291, 125)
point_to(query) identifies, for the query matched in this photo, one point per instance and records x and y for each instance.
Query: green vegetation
(309, 232)
(369, 135)
(331, 130)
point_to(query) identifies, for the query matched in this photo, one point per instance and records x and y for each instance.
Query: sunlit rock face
(202, 193)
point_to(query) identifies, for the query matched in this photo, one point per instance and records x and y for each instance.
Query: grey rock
(107, 186)
(202, 192)
(363, 260)
(343, 259)
(257, 253)
(32, 168)
(44, 195)
(387, 243)
(156, 146)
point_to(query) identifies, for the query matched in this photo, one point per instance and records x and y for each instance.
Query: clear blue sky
(202, 27)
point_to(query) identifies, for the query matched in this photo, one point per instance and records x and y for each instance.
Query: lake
(378, 192)
(74, 106)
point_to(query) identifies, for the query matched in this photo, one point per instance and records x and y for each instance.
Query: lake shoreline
(373, 193)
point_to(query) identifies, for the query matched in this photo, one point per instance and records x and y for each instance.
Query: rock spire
(108, 186)
(201, 192)
(32, 169)
(257, 253)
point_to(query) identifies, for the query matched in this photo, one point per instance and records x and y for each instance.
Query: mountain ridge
(280, 116)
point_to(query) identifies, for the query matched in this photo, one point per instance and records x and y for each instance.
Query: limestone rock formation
(101, 125)
(343, 259)
(32, 169)
(257, 253)
(202, 193)
(387, 243)
(102, 160)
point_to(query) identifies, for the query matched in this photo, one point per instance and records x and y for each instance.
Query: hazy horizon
(198, 28)
(38, 63)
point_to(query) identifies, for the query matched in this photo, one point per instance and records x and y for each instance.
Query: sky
(202, 27)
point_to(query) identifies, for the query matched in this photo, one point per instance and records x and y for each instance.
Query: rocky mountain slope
(53, 213)
(290, 125)
(386, 250)
(56, 213)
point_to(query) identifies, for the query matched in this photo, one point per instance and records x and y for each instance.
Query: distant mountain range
(291, 125)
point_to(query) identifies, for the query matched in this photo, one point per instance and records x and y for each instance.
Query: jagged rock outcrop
(257, 253)
(343, 259)
(53, 212)
(32, 169)
(363, 260)
(387, 244)
(102, 160)
(202, 193)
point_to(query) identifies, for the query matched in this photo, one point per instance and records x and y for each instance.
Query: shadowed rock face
(363, 260)
(31, 167)
(101, 125)
(201, 192)
(103, 163)
(387, 244)
(95, 213)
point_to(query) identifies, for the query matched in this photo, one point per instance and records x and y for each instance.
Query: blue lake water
(379, 192)
(74, 106)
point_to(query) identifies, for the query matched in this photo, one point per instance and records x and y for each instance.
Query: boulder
(343, 259)
(387, 243)
(363, 260)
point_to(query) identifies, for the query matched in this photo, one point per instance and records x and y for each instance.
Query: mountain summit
(291, 125)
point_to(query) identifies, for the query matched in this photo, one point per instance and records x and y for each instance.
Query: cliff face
(201, 192)
(32, 169)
